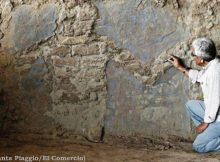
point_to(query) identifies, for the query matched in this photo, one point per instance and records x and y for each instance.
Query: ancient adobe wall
(84, 67)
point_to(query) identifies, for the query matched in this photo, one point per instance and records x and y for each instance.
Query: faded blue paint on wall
(34, 79)
(134, 108)
(28, 27)
(144, 32)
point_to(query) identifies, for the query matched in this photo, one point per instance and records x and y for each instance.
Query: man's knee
(200, 148)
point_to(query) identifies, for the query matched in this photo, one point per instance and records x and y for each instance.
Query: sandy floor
(113, 151)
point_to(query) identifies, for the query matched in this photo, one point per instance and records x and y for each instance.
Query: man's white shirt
(209, 79)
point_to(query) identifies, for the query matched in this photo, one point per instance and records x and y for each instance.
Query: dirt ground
(107, 151)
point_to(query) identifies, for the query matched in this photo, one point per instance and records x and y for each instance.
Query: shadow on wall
(24, 97)
(27, 79)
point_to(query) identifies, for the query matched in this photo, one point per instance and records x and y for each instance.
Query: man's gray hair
(204, 48)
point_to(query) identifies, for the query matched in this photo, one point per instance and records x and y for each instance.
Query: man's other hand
(201, 127)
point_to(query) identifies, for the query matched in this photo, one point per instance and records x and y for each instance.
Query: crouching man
(205, 114)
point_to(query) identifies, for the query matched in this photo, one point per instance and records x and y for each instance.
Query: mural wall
(94, 68)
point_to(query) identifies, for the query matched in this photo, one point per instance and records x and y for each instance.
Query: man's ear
(202, 61)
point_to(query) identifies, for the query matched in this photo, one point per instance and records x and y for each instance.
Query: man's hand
(201, 127)
(175, 61)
